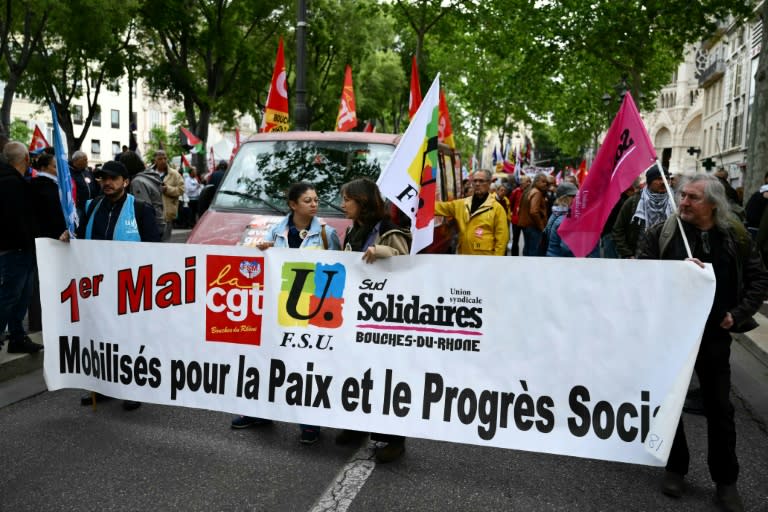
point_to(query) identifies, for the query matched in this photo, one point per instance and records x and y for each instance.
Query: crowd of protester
(127, 200)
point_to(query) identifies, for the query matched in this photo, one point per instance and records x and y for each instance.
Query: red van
(251, 196)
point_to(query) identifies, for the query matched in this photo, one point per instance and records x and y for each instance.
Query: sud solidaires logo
(311, 294)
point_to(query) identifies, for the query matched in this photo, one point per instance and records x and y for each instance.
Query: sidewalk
(14, 365)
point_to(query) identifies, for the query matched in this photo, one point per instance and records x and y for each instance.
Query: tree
(20, 131)
(69, 62)
(214, 57)
(757, 149)
(22, 25)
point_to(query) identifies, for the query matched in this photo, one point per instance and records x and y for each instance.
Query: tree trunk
(5, 114)
(757, 148)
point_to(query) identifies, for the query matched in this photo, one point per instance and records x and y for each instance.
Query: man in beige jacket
(173, 188)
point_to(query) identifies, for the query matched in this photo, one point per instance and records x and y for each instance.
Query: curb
(15, 365)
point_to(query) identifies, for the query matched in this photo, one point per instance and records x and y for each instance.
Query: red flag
(185, 163)
(237, 145)
(626, 152)
(369, 127)
(347, 116)
(38, 140)
(414, 99)
(581, 175)
(275, 117)
(444, 129)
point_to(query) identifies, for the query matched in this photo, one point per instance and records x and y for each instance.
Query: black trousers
(714, 371)
(516, 231)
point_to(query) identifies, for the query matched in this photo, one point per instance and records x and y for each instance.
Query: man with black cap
(640, 212)
(117, 215)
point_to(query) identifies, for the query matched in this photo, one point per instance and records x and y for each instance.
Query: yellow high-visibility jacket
(485, 232)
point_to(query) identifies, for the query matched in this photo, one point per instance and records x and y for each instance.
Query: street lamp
(621, 88)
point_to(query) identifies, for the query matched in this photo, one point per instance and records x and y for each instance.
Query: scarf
(652, 208)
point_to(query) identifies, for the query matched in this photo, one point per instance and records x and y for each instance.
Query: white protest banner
(581, 357)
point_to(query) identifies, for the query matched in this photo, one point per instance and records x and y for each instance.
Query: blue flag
(65, 180)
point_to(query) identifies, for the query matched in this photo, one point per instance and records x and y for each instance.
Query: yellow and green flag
(410, 179)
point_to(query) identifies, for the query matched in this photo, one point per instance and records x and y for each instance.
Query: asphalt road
(58, 455)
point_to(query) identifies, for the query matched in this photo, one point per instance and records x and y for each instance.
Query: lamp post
(301, 111)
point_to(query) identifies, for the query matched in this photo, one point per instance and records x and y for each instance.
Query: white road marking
(348, 482)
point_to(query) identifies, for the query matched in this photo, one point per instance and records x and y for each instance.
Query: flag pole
(674, 208)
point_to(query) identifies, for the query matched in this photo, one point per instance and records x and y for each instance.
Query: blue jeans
(17, 277)
(609, 247)
(531, 241)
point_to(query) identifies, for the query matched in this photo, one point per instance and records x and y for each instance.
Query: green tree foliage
(22, 25)
(160, 139)
(70, 62)
(215, 57)
(20, 131)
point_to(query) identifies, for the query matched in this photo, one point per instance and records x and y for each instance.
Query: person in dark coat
(17, 247)
(717, 237)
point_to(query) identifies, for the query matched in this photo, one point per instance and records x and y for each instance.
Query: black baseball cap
(112, 168)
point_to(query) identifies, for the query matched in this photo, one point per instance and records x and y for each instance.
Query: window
(737, 121)
(737, 80)
(154, 118)
(96, 121)
(116, 147)
(95, 147)
(115, 118)
(77, 114)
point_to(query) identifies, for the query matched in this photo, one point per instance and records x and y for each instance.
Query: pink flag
(626, 152)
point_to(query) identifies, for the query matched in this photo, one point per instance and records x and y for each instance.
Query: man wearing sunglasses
(480, 219)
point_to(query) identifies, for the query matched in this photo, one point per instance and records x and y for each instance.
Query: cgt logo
(234, 299)
(311, 294)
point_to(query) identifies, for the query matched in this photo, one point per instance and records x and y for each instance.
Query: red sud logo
(311, 294)
(234, 299)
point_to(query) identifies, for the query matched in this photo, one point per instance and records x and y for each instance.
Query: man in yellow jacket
(480, 219)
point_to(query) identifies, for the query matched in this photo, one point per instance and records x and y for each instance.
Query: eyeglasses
(479, 181)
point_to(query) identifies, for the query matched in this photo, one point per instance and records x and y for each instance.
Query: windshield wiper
(253, 198)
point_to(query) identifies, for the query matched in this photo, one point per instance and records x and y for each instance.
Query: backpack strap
(324, 237)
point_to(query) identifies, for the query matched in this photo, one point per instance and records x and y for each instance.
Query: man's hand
(696, 261)
(64, 237)
(727, 322)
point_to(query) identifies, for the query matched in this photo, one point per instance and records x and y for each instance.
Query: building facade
(702, 116)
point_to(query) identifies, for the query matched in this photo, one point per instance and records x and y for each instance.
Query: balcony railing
(713, 73)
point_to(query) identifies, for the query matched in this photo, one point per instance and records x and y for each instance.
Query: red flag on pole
(414, 99)
(237, 145)
(38, 140)
(626, 152)
(581, 174)
(347, 116)
(444, 129)
(275, 117)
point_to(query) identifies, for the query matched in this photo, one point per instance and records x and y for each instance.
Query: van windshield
(263, 171)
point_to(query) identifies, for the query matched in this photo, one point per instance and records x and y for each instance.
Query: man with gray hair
(86, 187)
(17, 247)
(716, 237)
(481, 221)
